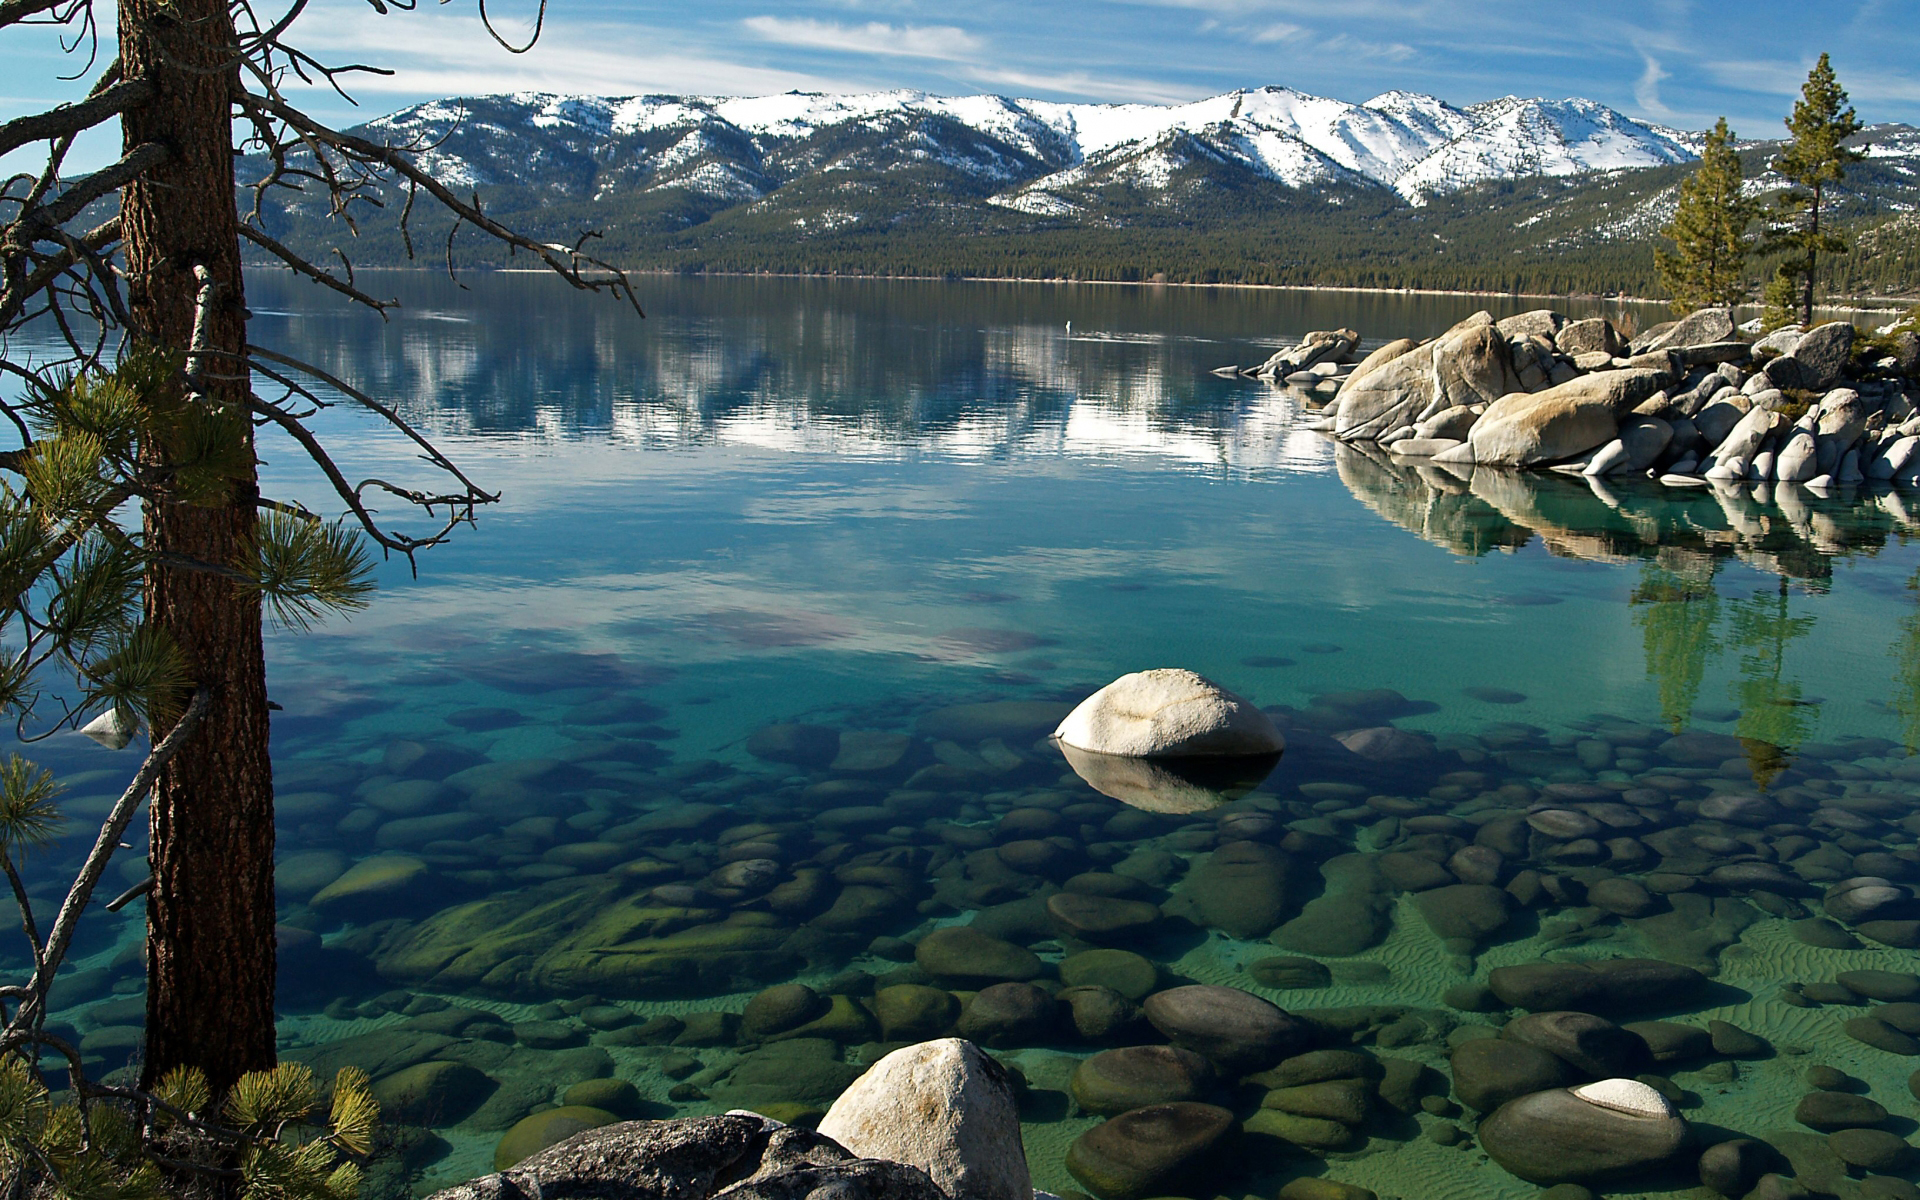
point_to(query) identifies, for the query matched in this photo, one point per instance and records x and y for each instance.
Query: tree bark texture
(210, 916)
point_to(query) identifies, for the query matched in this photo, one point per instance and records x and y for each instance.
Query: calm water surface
(858, 512)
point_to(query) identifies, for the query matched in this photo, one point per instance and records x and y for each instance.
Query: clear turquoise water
(855, 504)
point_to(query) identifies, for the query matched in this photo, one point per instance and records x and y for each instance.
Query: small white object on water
(111, 729)
(1627, 1096)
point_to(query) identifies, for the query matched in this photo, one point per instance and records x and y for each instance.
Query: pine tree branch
(69, 119)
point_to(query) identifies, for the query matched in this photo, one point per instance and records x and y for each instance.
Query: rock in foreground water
(1169, 713)
(943, 1107)
(697, 1157)
(1564, 1136)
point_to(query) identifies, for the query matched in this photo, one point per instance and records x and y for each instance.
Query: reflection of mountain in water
(1783, 530)
(842, 373)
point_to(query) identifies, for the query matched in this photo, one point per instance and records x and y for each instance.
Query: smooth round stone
(1101, 919)
(1558, 1137)
(780, 1008)
(431, 1093)
(960, 955)
(1871, 1149)
(544, 1129)
(1838, 1110)
(1310, 1188)
(1614, 985)
(1236, 1030)
(1880, 985)
(1881, 1036)
(1477, 864)
(1490, 1071)
(1344, 1100)
(1732, 1167)
(1739, 809)
(1822, 1078)
(1886, 1187)
(1116, 1081)
(1099, 883)
(1284, 973)
(1628, 1096)
(1137, 1154)
(1123, 971)
(1036, 856)
(1902, 1015)
(1622, 897)
(1563, 824)
(1730, 1041)
(1867, 898)
(1671, 1041)
(1592, 1045)
(1829, 993)
(911, 1012)
(613, 1095)
(1009, 1014)
(1317, 1066)
(1822, 934)
(548, 1035)
(1308, 1133)
(1100, 1014)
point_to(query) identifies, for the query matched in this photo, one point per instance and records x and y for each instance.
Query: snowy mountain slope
(1411, 143)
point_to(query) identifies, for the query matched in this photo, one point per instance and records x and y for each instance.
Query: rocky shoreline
(1687, 402)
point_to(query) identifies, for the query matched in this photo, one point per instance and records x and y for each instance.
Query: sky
(1675, 62)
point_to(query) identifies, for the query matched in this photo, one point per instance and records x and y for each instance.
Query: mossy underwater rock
(571, 937)
(373, 887)
(1244, 889)
(544, 1129)
(1238, 1031)
(1608, 987)
(1353, 914)
(431, 1093)
(1139, 1153)
(912, 1012)
(1117, 1081)
(960, 955)
(1131, 975)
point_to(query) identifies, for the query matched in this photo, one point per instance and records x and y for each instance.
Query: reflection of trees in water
(1773, 712)
(1906, 673)
(1677, 612)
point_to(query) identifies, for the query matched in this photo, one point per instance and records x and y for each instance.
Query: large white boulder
(944, 1107)
(1169, 712)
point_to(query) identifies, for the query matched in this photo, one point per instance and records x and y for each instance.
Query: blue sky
(1673, 61)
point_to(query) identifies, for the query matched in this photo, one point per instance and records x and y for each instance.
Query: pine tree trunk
(210, 916)
(1813, 259)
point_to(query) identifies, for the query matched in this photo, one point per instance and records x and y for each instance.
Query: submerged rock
(1116, 1081)
(1237, 1030)
(1612, 986)
(943, 1107)
(1561, 1136)
(1137, 1154)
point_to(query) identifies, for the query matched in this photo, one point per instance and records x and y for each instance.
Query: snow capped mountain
(1028, 154)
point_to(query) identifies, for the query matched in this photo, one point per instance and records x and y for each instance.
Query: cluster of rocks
(1686, 401)
(1323, 360)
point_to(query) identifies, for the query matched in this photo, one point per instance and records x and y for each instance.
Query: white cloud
(1280, 31)
(1089, 87)
(875, 37)
(446, 52)
(1646, 90)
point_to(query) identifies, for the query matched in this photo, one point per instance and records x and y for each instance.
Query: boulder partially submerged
(1169, 713)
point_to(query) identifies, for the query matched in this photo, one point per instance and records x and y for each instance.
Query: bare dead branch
(69, 119)
(301, 266)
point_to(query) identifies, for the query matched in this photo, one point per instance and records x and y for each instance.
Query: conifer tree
(1814, 159)
(1708, 264)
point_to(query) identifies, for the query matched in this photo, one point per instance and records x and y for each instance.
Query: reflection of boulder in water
(1783, 530)
(1170, 785)
(1427, 500)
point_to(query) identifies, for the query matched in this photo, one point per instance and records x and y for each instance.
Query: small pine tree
(1708, 264)
(1813, 159)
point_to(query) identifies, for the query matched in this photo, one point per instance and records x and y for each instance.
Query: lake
(747, 678)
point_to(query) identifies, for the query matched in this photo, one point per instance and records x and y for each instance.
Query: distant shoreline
(1877, 304)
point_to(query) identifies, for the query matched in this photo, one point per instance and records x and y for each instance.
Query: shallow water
(862, 508)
